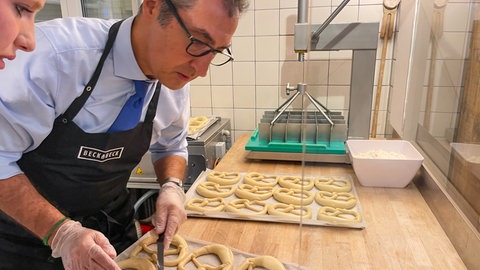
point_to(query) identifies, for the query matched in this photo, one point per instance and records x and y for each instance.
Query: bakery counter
(401, 232)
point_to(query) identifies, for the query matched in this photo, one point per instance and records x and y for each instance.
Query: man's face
(162, 55)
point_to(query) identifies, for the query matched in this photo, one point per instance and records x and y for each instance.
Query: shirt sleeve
(26, 105)
(171, 124)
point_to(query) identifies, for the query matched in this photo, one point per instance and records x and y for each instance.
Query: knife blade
(160, 249)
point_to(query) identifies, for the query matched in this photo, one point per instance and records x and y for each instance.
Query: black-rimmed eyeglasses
(197, 48)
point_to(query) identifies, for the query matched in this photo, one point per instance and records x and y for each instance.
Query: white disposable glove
(82, 248)
(170, 211)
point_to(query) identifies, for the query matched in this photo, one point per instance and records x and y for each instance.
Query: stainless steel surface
(327, 158)
(160, 249)
(316, 127)
(319, 30)
(202, 154)
(361, 39)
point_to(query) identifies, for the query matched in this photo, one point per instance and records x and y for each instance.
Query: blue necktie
(132, 110)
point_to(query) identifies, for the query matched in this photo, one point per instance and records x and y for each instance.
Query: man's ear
(150, 6)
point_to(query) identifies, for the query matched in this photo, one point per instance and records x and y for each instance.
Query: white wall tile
(267, 97)
(222, 75)
(291, 72)
(202, 112)
(244, 73)
(286, 49)
(317, 72)
(244, 97)
(288, 19)
(200, 96)
(266, 4)
(339, 72)
(266, 73)
(266, 22)
(267, 48)
(222, 96)
(243, 48)
(244, 119)
(246, 24)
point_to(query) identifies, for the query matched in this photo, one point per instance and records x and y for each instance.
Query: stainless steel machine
(205, 149)
(319, 136)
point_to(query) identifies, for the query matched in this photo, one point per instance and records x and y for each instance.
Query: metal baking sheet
(191, 194)
(238, 255)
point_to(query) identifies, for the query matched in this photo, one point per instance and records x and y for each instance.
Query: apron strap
(78, 103)
(152, 107)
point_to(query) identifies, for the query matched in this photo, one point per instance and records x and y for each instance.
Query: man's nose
(201, 64)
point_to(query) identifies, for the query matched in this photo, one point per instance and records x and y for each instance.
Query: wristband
(53, 228)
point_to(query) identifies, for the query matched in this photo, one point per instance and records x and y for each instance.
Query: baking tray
(238, 255)
(191, 194)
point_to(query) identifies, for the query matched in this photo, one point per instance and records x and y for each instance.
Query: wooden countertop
(401, 232)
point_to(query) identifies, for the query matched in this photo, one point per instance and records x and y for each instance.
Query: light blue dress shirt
(38, 86)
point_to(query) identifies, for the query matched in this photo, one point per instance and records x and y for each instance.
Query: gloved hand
(82, 248)
(170, 211)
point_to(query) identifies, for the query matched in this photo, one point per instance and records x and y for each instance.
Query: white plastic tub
(384, 163)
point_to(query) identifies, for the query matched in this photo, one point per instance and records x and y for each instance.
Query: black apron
(84, 175)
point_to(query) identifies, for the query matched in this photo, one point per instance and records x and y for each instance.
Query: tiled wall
(265, 62)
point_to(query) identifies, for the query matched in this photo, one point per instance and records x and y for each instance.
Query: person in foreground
(16, 21)
(66, 150)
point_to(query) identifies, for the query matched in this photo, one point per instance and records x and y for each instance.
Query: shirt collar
(124, 61)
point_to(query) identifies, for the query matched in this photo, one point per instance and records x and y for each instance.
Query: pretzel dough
(296, 182)
(289, 210)
(223, 178)
(181, 251)
(267, 262)
(143, 246)
(258, 179)
(224, 254)
(247, 207)
(293, 196)
(206, 204)
(333, 184)
(196, 123)
(336, 199)
(338, 215)
(214, 190)
(137, 263)
(246, 191)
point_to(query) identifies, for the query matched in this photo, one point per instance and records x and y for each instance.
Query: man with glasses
(78, 114)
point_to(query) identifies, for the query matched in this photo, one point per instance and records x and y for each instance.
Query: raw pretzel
(181, 251)
(206, 204)
(137, 263)
(223, 178)
(289, 210)
(247, 207)
(267, 262)
(338, 215)
(246, 191)
(258, 179)
(214, 190)
(293, 196)
(336, 199)
(333, 184)
(296, 182)
(224, 254)
(196, 123)
(143, 246)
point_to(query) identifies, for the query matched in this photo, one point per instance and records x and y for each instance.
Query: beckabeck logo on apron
(98, 155)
